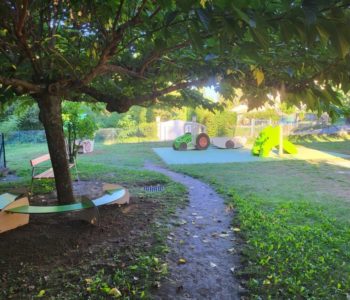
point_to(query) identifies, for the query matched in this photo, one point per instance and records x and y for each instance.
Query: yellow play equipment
(268, 139)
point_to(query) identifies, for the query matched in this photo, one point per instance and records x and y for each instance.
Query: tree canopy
(141, 52)
(124, 53)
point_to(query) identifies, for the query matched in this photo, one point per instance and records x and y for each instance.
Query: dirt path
(202, 237)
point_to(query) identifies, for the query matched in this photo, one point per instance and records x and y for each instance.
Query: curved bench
(15, 213)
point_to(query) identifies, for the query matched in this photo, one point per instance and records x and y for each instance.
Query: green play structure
(194, 138)
(268, 139)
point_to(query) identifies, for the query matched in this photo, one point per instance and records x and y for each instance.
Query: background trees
(126, 53)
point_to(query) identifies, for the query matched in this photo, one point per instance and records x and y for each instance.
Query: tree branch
(155, 12)
(21, 84)
(19, 26)
(118, 14)
(21, 18)
(124, 103)
(121, 70)
(159, 54)
(110, 49)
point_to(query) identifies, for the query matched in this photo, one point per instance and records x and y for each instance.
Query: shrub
(148, 130)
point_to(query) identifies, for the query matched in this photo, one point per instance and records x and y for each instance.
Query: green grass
(294, 219)
(109, 163)
(332, 143)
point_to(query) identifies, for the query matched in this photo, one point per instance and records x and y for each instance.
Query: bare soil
(203, 248)
(57, 251)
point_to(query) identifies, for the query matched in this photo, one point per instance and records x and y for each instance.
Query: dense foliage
(126, 53)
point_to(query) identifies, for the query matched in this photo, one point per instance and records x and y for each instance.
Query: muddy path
(202, 246)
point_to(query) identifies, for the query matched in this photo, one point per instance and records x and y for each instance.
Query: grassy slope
(114, 163)
(294, 217)
(325, 143)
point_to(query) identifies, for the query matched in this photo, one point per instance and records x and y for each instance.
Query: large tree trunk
(51, 117)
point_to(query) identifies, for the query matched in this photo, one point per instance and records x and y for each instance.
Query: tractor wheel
(229, 144)
(183, 147)
(202, 141)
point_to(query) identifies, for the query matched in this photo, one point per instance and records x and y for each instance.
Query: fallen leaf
(212, 265)
(236, 229)
(232, 270)
(232, 250)
(115, 292)
(181, 261)
(41, 294)
(223, 235)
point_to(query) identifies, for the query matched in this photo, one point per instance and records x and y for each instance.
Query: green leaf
(170, 16)
(241, 14)
(41, 294)
(323, 34)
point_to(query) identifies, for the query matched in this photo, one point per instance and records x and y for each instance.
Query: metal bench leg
(31, 187)
(76, 171)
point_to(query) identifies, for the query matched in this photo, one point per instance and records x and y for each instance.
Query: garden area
(174, 149)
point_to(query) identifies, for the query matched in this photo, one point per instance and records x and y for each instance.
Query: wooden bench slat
(39, 159)
(48, 173)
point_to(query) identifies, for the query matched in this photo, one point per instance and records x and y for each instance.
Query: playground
(135, 232)
(174, 150)
(221, 156)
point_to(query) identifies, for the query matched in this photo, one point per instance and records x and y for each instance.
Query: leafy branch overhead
(133, 52)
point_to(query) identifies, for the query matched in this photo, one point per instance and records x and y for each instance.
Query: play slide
(269, 139)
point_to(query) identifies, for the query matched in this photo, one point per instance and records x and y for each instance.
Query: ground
(290, 216)
(203, 248)
(56, 249)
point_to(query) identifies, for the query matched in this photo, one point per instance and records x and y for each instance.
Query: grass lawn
(294, 218)
(324, 143)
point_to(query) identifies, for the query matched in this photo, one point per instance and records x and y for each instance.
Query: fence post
(252, 125)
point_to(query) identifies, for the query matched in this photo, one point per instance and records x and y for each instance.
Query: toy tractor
(194, 138)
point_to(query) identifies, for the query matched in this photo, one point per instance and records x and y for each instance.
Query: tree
(126, 53)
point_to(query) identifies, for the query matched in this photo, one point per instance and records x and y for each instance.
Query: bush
(106, 134)
(263, 114)
(126, 127)
(9, 125)
(148, 130)
(220, 123)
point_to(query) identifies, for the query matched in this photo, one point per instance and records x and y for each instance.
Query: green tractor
(194, 138)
